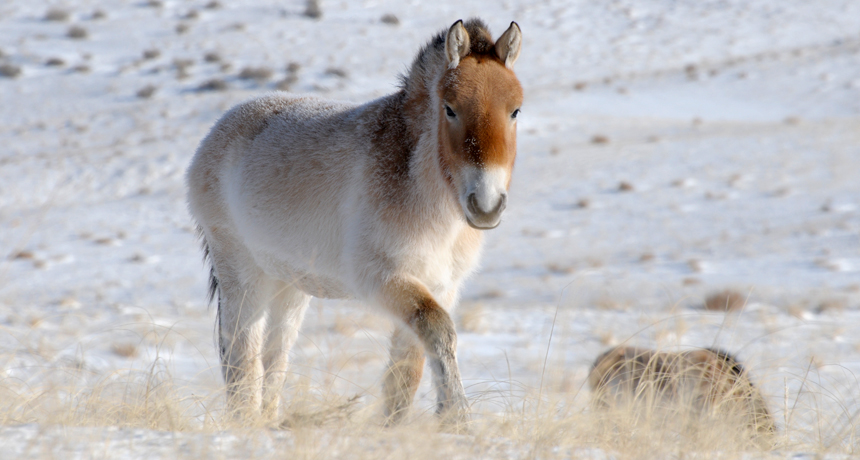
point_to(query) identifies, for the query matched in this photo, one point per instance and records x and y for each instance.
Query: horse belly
(300, 249)
(316, 284)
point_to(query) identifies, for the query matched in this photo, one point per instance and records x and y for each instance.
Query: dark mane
(480, 41)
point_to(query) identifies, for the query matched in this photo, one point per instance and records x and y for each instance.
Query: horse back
(277, 174)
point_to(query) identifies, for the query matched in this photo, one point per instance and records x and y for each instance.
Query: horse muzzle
(485, 219)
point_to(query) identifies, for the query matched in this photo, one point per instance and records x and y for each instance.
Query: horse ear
(456, 44)
(509, 44)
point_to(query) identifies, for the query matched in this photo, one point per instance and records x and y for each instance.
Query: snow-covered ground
(734, 127)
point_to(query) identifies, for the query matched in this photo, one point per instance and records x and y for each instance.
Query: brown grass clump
(77, 33)
(9, 70)
(696, 265)
(146, 92)
(216, 84)
(337, 72)
(390, 19)
(126, 350)
(151, 53)
(701, 389)
(625, 186)
(55, 62)
(560, 268)
(726, 300)
(292, 77)
(599, 139)
(212, 56)
(835, 305)
(57, 15)
(22, 255)
(313, 9)
(256, 73)
(287, 83)
(692, 71)
(182, 66)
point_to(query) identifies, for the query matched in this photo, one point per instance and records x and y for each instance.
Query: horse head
(479, 100)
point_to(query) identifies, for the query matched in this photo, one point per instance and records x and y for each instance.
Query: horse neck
(403, 130)
(431, 189)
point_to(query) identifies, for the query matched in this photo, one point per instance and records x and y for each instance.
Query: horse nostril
(477, 211)
(503, 203)
(473, 205)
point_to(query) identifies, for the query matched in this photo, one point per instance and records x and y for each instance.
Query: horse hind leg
(286, 312)
(242, 318)
(403, 374)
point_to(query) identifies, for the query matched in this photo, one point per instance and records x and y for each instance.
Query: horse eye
(516, 112)
(449, 112)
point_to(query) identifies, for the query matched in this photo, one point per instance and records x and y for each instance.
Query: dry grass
(510, 419)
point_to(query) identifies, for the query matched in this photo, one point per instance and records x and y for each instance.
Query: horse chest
(441, 264)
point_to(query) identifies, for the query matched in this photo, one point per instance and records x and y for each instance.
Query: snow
(736, 125)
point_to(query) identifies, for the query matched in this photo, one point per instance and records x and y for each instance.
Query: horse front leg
(403, 374)
(411, 301)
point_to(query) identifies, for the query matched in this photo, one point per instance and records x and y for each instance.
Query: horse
(384, 202)
(686, 385)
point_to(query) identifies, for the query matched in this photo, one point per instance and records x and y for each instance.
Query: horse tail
(212, 292)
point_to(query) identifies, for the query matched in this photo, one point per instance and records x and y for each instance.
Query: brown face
(479, 103)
